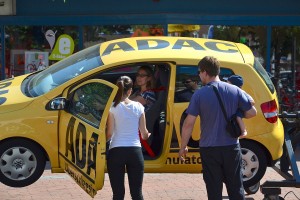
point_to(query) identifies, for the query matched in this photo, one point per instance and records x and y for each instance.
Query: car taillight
(270, 111)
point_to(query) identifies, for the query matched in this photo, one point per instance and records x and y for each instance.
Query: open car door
(82, 138)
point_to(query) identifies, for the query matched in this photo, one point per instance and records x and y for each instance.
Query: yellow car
(50, 115)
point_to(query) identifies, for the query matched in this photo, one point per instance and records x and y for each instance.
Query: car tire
(22, 162)
(254, 163)
(252, 189)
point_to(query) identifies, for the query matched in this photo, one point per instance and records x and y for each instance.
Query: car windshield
(60, 72)
(264, 75)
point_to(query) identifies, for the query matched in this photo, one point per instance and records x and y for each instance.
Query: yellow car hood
(11, 96)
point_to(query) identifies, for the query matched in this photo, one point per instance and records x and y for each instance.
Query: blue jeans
(130, 159)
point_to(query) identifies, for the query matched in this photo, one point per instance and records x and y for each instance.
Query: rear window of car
(188, 80)
(183, 72)
(264, 75)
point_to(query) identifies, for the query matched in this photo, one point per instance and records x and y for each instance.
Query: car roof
(179, 49)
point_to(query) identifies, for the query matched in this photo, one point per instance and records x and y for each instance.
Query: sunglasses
(141, 75)
(187, 82)
(199, 71)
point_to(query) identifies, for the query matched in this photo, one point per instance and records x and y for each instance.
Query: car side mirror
(58, 103)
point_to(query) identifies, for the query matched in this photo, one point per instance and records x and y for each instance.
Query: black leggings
(130, 159)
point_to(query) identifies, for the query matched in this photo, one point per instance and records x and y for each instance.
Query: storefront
(35, 34)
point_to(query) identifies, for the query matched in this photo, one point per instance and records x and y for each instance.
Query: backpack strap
(220, 102)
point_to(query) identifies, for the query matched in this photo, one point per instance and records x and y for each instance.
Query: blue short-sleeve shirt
(204, 103)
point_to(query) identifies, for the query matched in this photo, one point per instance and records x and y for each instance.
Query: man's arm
(250, 113)
(186, 133)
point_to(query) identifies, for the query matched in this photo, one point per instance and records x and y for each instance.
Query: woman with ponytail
(125, 120)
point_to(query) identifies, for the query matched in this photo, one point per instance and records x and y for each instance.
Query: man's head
(191, 82)
(208, 69)
(236, 80)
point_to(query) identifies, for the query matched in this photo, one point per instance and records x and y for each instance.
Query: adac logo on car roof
(138, 44)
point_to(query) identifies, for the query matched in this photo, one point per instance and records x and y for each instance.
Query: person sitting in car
(191, 84)
(145, 83)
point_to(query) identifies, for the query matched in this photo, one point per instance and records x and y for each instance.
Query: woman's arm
(110, 126)
(142, 127)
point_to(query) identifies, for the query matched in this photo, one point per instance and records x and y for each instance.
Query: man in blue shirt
(220, 153)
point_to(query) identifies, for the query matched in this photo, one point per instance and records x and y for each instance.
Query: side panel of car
(28, 139)
(41, 128)
(193, 160)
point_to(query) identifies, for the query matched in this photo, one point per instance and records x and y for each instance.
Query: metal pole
(80, 43)
(293, 67)
(269, 46)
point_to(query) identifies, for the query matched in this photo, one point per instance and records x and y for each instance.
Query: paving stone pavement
(166, 186)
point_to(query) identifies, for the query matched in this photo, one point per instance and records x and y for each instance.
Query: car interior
(155, 117)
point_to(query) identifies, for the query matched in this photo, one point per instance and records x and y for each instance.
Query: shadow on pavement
(247, 198)
(48, 165)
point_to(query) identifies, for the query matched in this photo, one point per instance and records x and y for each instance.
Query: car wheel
(252, 189)
(254, 163)
(21, 162)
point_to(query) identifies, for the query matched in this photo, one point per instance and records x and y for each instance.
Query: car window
(188, 80)
(89, 101)
(225, 73)
(59, 73)
(264, 75)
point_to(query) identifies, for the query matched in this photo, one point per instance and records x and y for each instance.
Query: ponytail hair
(124, 84)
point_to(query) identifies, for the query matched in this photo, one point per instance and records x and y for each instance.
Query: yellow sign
(64, 47)
(181, 28)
